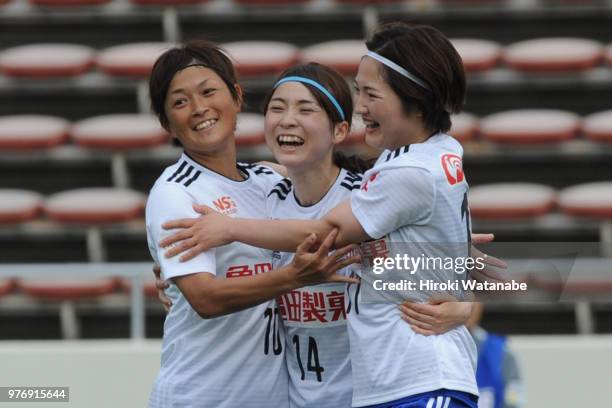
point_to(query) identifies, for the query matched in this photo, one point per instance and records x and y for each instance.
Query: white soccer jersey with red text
(415, 194)
(315, 317)
(230, 361)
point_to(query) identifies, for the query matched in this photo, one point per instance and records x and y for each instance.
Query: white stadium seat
(554, 54)
(95, 206)
(530, 126)
(134, 59)
(261, 57)
(119, 131)
(501, 201)
(27, 132)
(342, 55)
(464, 126)
(477, 55)
(598, 126)
(19, 205)
(588, 200)
(46, 60)
(250, 129)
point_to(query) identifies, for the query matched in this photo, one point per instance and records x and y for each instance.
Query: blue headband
(316, 85)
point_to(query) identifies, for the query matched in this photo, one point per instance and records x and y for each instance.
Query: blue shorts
(433, 399)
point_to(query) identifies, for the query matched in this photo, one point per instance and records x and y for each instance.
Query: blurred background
(79, 151)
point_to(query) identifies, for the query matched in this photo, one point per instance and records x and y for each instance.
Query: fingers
(344, 263)
(176, 237)
(342, 279)
(306, 244)
(157, 271)
(416, 317)
(418, 330)
(181, 247)
(328, 242)
(488, 259)
(160, 285)
(482, 238)
(192, 253)
(202, 209)
(340, 253)
(180, 223)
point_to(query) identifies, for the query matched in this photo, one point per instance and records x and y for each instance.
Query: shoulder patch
(184, 175)
(282, 189)
(352, 181)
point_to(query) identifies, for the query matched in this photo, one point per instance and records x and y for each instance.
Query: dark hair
(194, 52)
(338, 87)
(428, 54)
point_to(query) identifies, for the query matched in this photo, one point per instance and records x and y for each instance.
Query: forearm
(277, 235)
(213, 297)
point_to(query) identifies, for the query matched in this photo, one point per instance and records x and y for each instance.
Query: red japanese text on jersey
(237, 271)
(313, 307)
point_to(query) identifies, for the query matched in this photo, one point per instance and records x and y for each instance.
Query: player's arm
(213, 229)
(212, 297)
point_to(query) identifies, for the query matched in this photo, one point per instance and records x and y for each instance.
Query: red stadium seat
(94, 206)
(46, 60)
(588, 200)
(510, 200)
(477, 55)
(609, 54)
(27, 132)
(120, 131)
(166, 2)
(19, 205)
(250, 129)
(149, 287)
(530, 126)
(598, 126)
(342, 55)
(554, 54)
(135, 59)
(465, 126)
(262, 57)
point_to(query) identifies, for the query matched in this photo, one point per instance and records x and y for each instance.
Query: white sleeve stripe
(430, 402)
(439, 401)
(447, 402)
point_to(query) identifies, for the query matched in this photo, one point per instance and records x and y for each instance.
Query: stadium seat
(67, 292)
(588, 200)
(28, 132)
(270, 2)
(46, 60)
(19, 205)
(261, 57)
(94, 206)
(598, 126)
(6, 286)
(341, 55)
(250, 129)
(149, 287)
(68, 3)
(134, 59)
(357, 133)
(465, 126)
(530, 126)
(119, 131)
(609, 54)
(508, 201)
(553, 54)
(166, 2)
(477, 55)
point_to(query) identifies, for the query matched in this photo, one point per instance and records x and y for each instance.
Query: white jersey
(415, 194)
(230, 361)
(315, 316)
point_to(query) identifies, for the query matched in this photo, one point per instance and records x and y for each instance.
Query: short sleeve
(392, 198)
(168, 202)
